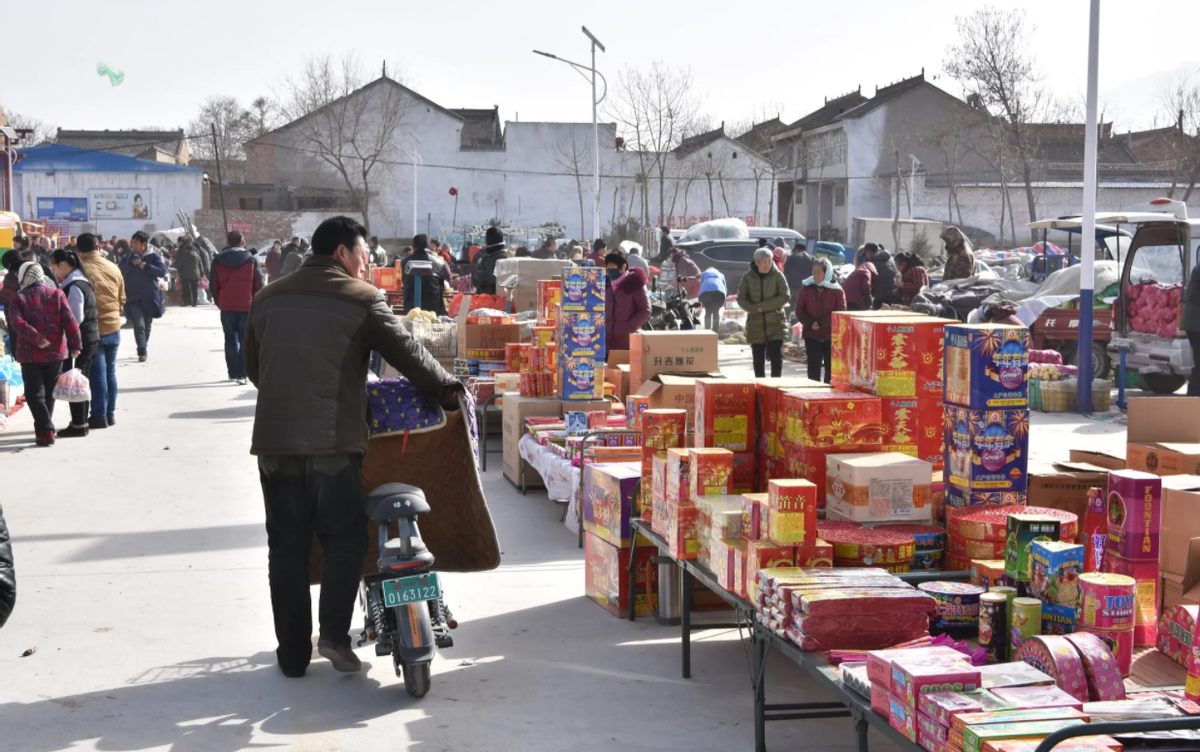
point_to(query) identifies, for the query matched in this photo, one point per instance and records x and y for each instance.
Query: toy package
(1054, 572)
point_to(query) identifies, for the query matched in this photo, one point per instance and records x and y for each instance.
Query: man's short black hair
(762, 242)
(666, 230)
(234, 239)
(599, 245)
(375, 239)
(334, 232)
(618, 258)
(140, 237)
(296, 239)
(494, 236)
(85, 243)
(420, 242)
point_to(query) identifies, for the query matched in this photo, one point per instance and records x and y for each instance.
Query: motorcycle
(403, 610)
(671, 310)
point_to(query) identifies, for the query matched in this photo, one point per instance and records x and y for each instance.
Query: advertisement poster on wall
(121, 204)
(71, 209)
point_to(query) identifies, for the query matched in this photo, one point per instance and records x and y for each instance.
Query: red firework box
(1134, 515)
(991, 523)
(745, 472)
(677, 525)
(1145, 601)
(913, 678)
(658, 487)
(913, 426)
(898, 356)
(606, 578)
(542, 336)
(1175, 629)
(986, 366)
(634, 407)
(752, 504)
(792, 512)
(763, 554)
(664, 428)
(844, 348)
(770, 415)
(830, 420)
(710, 472)
(608, 491)
(812, 464)
(516, 356)
(770, 469)
(549, 295)
(818, 555)
(725, 412)
(646, 497)
(988, 572)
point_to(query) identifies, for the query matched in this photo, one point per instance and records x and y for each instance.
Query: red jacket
(274, 264)
(858, 286)
(915, 277)
(626, 308)
(40, 312)
(816, 305)
(234, 279)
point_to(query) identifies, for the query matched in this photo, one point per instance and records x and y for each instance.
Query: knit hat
(494, 236)
(30, 274)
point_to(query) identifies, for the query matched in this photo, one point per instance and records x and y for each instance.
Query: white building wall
(169, 192)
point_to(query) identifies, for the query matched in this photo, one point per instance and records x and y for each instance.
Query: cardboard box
(725, 412)
(583, 289)
(987, 450)
(672, 391)
(1109, 460)
(828, 420)
(617, 358)
(1164, 435)
(913, 426)
(898, 356)
(522, 298)
(484, 336)
(608, 490)
(987, 366)
(516, 410)
(683, 352)
(878, 487)
(811, 464)
(606, 578)
(1064, 485)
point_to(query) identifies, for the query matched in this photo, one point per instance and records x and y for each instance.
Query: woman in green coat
(763, 294)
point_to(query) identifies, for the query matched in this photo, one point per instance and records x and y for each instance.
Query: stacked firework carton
(580, 335)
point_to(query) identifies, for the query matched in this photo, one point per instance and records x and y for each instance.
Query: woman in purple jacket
(819, 298)
(626, 306)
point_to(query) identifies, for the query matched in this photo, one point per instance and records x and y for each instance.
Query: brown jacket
(307, 344)
(109, 286)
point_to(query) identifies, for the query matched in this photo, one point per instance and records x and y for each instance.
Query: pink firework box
(902, 717)
(1176, 628)
(929, 744)
(1055, 656)
(677, 477)
(931, 728)
(1134, 514)
(881, 699)
(1103, 673)
(911, 679)
(943, 706)
(1119, 643)
(880, 662)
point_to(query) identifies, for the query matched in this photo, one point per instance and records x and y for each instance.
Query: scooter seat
(395, 500)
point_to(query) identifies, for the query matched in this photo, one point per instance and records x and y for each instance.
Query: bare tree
(264, 117)
(994, 63)
(1180, 101)
(574, 159)
(40, 132)
(657, 109)
(234, 126)
(347, 130)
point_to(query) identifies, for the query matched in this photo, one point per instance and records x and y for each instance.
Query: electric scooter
(403, 610)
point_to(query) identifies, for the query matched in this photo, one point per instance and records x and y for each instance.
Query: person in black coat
(797, 268)
(484, 276)
(8, 575)
(884, 289)
(431, 284)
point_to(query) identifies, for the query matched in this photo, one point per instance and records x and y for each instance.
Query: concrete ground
(141, 563)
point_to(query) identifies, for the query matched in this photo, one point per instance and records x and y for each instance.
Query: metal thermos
(670, 590)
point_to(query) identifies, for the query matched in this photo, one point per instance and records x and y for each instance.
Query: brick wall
(265, 225)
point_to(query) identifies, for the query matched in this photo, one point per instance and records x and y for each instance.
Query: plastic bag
(202, 284)
(201, 296)
(73, 386)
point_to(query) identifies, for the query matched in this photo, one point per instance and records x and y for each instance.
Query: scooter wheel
(417, 680)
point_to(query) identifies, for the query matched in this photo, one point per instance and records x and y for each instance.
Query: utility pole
(595, 137)
(220, 183)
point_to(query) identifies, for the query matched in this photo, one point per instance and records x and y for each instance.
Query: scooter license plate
(405, 590)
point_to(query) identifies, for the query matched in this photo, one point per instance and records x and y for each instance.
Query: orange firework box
(676, 490)
(549, 295)
(744, 472)
(828, 420)
(725, 414)
(763, 554)
(898, 356)
(752, 504)
(543, 335)
(811, 464)
(792, 512)
(677, 525)
(769, 401)
(606, 576)
(842, 345)
(664, 429)
(819, 554)
(710, 472)
(913, 426)
(770, 468)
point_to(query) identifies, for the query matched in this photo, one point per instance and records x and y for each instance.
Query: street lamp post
(417, 161)
(595, 120)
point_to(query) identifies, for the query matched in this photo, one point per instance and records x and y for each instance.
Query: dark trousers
(40, 379)
(79, 410)
(104, 377)
(307, 495)
(819, 352)
(772, 350)
(234, 324)
(188, 291)
(1194, 379)
(714, 303)
(142, 322)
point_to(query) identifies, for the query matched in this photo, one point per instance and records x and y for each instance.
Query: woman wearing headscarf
(763, 294)
(912, 276)
(45, 333)
(819, 298)
(81, 298)
(779, 256)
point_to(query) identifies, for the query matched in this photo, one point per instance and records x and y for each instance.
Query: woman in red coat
(819, 298)
(913, 276)
(858, 287)
(626, 306)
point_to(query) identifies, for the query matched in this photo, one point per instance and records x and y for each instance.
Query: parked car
(790, 237)
(731, 257)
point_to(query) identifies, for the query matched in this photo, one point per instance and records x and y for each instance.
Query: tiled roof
(884, 95)
(129, 143)
(699, 141)
(481, 129)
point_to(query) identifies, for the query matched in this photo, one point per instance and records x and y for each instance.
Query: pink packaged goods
(942, 706)
(849, 602)
(962, 720)
(1175, 628)
(930, 728)
(912, 678)
(879, 662)
(881, 699)
(929, 744)
(902, 717)
(1103, 674)
(1134, 514)
(1042, 696)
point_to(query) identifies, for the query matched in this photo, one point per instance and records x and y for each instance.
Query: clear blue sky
(478, 54)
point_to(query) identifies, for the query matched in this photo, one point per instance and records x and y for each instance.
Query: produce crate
(1062, 396)
(1035, 394)
(440, 339)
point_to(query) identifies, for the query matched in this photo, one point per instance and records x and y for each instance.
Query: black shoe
(71, 432)
(142, 357)
(112, 421)
(290, 671)
(98, 423)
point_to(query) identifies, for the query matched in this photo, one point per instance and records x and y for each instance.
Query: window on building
(305, 203)
(800, 194)
(250, 204)
(839, 196)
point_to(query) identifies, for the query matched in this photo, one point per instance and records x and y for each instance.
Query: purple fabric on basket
(397, 407)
